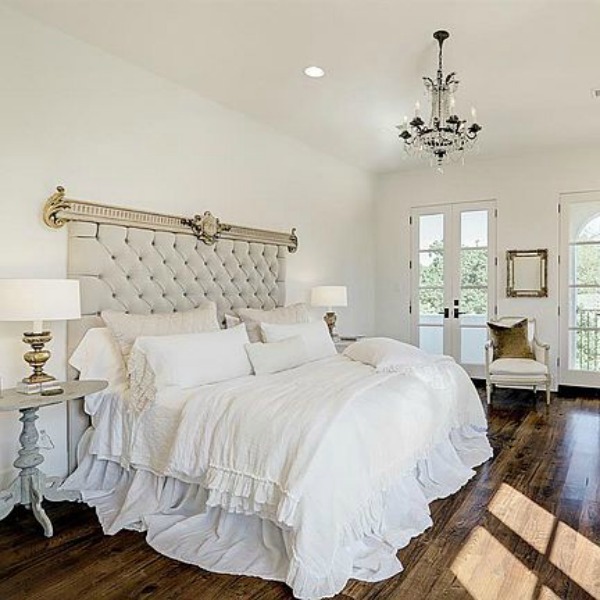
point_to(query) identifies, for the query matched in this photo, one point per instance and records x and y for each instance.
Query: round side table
(31, 485)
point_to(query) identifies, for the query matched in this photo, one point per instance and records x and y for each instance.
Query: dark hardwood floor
(526, 527)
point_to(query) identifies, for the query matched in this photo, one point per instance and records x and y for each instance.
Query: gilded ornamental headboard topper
(60, 210)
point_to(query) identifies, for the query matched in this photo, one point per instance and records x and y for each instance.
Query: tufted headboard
(143, 271)
(142, 262)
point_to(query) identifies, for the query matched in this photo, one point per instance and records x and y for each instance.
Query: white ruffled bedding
(310, 476)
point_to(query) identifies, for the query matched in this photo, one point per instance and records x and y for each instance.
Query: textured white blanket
(313, 449)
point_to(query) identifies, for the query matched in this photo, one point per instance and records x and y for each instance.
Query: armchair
(519, 372)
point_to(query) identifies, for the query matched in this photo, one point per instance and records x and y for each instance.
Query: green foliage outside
(473, 272)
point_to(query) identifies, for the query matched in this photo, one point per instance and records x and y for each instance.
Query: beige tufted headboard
(144, 271)
(142, 262)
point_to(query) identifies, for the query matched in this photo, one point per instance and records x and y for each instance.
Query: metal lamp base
(39, 381)
(330, 318)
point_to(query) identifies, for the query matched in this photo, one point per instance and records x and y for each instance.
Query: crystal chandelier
(446, 136)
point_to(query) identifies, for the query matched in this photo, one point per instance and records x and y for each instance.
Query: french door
(453, 280)
(580, 289)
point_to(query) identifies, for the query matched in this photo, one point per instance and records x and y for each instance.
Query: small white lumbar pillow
(128, 327)
(277, 356)
(387, 355)
(283, 315)
(98, 356)
(185, 361)
(315, 336)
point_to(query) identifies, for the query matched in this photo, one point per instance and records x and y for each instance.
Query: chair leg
(548, 394)
(488, 392)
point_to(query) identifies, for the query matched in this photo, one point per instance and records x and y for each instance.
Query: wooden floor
(526, 527)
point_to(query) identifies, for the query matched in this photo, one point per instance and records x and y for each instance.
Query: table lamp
(38, 300)
(329, 296)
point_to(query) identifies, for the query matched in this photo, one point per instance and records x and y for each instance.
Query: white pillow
(186, 361)
(386, 354)
(315, 336)
(253, 317)
(98, 356)
(127, 327)
(277, 356)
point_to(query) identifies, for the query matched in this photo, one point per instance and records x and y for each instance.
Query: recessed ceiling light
(314, 72)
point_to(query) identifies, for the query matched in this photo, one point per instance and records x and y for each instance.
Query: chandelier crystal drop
(446, 136)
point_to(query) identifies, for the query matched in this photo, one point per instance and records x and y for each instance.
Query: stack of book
(38, 388)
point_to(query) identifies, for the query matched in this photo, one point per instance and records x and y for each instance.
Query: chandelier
(446, 136)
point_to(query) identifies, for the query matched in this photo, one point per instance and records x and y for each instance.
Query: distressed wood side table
(31, 485)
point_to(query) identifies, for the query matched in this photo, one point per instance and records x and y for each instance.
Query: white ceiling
(527, 65)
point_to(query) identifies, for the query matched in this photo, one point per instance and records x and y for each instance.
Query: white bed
(311, 476)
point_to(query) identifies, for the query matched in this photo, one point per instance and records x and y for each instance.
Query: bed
(311, 475)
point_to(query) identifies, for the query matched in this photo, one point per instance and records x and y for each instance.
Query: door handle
(458, 312)
(445, 312)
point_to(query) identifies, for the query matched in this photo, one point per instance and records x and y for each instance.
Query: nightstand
(32, 486)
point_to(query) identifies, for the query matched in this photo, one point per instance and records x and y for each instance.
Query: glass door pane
(584, 288)
(473, 296)
(430, 297)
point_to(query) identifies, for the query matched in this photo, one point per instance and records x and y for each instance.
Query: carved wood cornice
(59, 210)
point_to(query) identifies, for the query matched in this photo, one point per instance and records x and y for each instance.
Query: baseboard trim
(575, 391)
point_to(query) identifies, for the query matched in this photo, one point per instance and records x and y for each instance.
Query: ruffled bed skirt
(181, 524)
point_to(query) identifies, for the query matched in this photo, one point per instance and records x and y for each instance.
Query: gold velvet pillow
(510, 341)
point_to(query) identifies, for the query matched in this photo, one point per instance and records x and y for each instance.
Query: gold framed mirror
(527, 273)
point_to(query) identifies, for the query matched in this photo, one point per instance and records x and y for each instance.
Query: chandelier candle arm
(446, 135)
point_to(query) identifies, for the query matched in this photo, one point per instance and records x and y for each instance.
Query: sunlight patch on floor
(488, 571)
(577, 558)
(523, 516)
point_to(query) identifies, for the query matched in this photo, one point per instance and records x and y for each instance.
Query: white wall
(526, 189)
(73, 115)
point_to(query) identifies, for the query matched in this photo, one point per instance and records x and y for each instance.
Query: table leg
(27, 462)
(32, 486)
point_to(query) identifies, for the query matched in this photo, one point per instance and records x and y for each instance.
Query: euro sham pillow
(511, 340)
(253, 317)
(127, 327)
(186, 361)
(315, 336)
(387, 355)
(277, 356)
(98, 356)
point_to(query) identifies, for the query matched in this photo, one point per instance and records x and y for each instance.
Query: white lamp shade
(329, 296)
(39, 299)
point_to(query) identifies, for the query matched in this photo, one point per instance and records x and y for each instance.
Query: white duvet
(320, 452)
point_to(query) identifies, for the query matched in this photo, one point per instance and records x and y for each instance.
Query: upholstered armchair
(518, 372)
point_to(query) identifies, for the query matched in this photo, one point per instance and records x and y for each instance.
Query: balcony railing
(587, 339)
